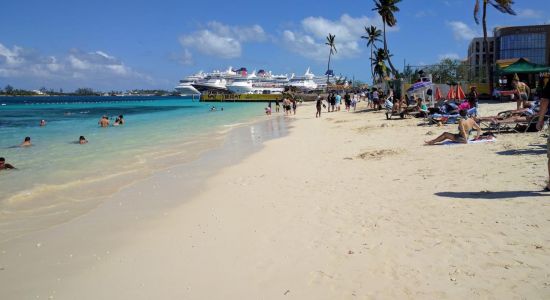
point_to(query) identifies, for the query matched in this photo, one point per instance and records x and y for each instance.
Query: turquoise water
(56, 171)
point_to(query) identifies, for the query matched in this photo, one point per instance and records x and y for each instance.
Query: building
(529, 42)
(477, 55)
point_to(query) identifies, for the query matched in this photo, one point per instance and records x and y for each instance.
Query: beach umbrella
(460, 93)
(438, 94)
(451, 93)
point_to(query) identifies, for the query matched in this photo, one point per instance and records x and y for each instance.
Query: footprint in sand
(378, 154)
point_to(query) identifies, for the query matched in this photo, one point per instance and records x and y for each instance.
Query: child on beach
(82, 140)
(318, 105)
(268, 111)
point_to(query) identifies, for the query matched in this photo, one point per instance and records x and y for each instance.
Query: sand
(348, 206)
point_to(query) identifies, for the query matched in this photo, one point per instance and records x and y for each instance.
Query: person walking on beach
(104, 122)
(338, 101)
(545, 110)
(318, 105)
(332, 102)
(294, 106)
(82, 140)
(375, 99)
(4, 165)
(277, 105)
(347, 101)
(521, 92)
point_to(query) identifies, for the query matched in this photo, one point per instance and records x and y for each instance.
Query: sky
(122, 44)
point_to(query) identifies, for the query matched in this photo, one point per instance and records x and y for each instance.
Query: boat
(303, 83)
(185, 86)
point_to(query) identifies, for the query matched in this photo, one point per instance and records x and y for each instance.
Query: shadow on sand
(529, 151)
(494, 195)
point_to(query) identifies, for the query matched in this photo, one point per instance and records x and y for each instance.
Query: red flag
(438, 94)
(460, 93)
(451, 94)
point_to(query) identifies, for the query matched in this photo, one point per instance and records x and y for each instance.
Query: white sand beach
(349, 206)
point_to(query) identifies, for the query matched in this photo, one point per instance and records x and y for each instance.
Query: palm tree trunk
(488, 62)
(394, 71)
(328, 69)
(371, 65)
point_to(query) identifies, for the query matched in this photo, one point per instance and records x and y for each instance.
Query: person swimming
(42, 123)
(82, 140)
(26, 142)
(4, 165)
(119, 120)
(103, 122)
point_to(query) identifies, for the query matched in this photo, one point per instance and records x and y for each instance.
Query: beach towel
(472, 141)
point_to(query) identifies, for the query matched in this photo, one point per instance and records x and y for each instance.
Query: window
(527, 45)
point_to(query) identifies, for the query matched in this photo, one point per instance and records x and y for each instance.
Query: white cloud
(449, 56)
(309, 39)
(222, 40)
(462, 31)
(529, 13)
(89, 67)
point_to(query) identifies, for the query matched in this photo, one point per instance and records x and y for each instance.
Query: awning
(522, 66)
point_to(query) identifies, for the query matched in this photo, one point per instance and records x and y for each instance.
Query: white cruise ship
(186, 88)
(241, 82)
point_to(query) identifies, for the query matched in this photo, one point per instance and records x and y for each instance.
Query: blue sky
(121, 44)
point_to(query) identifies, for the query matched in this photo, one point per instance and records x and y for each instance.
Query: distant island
(10, 91)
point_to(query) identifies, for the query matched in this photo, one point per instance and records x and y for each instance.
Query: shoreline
(46, 205)
(347, 206)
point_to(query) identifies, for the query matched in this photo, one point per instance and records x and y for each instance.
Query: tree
(8, 89)
(385, 9)
(380, 68)
(504, 6)
(332, 46)
(372, 37)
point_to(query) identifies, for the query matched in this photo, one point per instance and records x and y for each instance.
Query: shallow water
(56, 174)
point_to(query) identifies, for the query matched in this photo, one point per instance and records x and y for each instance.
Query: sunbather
(465, 126)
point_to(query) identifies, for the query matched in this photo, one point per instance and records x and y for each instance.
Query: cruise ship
(241, 82)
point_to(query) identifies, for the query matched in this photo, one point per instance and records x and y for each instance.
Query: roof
(522, 66)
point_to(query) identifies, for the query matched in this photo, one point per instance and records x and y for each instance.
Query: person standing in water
(103, 122)
(277, 106)
(42, 123)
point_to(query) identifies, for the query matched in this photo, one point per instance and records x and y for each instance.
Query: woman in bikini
(465, 125)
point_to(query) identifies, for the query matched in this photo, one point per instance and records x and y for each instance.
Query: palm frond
(476, 12)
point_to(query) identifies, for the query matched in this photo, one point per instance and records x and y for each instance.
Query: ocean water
(57, 176)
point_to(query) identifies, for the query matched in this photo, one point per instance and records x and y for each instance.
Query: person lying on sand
(465, 126)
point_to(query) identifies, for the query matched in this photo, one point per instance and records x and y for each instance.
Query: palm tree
(372, 37)
(504, 6)
(332, 46)
(378, 61)
(385, 9)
